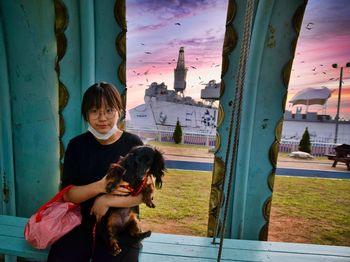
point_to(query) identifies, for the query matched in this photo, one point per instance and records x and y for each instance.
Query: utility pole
(339, 96)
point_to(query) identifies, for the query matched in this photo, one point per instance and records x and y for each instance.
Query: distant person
(87, 159)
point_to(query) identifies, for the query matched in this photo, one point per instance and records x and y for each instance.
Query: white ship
(163, 107)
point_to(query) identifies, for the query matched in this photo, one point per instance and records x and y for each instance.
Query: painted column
(31, 53)
(7, 205)
(273, 38)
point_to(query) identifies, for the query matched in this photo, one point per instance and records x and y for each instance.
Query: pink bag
(53, 220)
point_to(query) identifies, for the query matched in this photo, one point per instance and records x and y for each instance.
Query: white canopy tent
(311, 96)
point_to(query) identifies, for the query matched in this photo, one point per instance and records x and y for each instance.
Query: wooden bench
(337, 159)
(342, 154)
(165, 247)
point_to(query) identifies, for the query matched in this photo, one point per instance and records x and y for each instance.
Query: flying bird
(309, 26)
(193, 67)
(177, 24)
(148, 53)
(142, 44)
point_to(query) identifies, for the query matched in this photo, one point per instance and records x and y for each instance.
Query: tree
(177, 135)
(305, 144)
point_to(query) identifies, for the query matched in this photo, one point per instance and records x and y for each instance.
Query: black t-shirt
(87, 161)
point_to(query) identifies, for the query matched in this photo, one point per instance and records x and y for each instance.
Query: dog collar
(136, 191)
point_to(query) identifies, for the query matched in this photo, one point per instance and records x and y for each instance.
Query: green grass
(183, 200)
(322, 205)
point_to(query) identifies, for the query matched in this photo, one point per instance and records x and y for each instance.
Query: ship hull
(164, 115)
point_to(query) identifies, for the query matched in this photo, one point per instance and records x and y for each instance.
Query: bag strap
(58, 196)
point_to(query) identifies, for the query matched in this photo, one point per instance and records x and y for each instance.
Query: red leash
(93, 240)
(136, 191)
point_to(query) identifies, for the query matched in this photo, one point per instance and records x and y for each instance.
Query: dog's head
(141, 161)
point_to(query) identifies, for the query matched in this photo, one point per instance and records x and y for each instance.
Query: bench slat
(18, 247)
(166, 247)
(236, 253)
(251, 244)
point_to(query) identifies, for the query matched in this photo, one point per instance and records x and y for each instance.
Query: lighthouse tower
(180, 72)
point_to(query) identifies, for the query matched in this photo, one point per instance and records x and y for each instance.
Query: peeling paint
(271, 41)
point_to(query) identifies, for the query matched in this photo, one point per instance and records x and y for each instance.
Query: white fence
(286, 145)
(167, 136)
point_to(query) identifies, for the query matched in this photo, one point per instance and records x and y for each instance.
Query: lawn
(305, 210)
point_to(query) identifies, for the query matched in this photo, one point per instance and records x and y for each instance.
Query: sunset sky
(158, 28)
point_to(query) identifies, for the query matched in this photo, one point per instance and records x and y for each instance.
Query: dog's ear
(158, 168)
(113, 177)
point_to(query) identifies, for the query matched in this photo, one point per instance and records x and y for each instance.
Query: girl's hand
(100, 207)
(121, 190)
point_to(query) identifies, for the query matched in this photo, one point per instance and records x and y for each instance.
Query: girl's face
(104, 118)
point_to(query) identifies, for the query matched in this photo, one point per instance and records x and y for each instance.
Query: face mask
(100, 136)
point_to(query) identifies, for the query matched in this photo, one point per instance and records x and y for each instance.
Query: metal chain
(236, 112)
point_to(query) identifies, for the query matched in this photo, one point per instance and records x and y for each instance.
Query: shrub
(177, 135)
(305, 144)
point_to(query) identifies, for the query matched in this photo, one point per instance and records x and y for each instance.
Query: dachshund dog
(136, 168)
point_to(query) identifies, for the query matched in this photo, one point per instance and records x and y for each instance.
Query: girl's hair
(97, 93)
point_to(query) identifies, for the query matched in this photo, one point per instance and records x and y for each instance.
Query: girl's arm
(102, 203)
(78, 194)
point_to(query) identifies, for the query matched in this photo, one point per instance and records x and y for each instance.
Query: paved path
(203, 166)
(200, 159)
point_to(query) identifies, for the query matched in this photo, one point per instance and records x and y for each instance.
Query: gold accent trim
(231, 12)
(263, 235)
(230, 42)
(120, 45)
(221, 115)
(63, 96)
(273, 151)
(267, 208)
(122, 75)
(120, 14)
(215, 199)
(271, 180)
(217, 141)
(61, 23)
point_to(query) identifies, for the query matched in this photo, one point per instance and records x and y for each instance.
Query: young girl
(87, 159)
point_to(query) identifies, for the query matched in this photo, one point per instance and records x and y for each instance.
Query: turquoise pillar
(273, 37)
(51, 52)
(7, 204)
(33, 92)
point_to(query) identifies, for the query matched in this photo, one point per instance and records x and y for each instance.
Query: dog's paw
(148, 233)
(116, 250)
(151, 205)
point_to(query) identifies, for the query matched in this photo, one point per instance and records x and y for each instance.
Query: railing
(286, 145)
(317, 148)
(167, 136)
